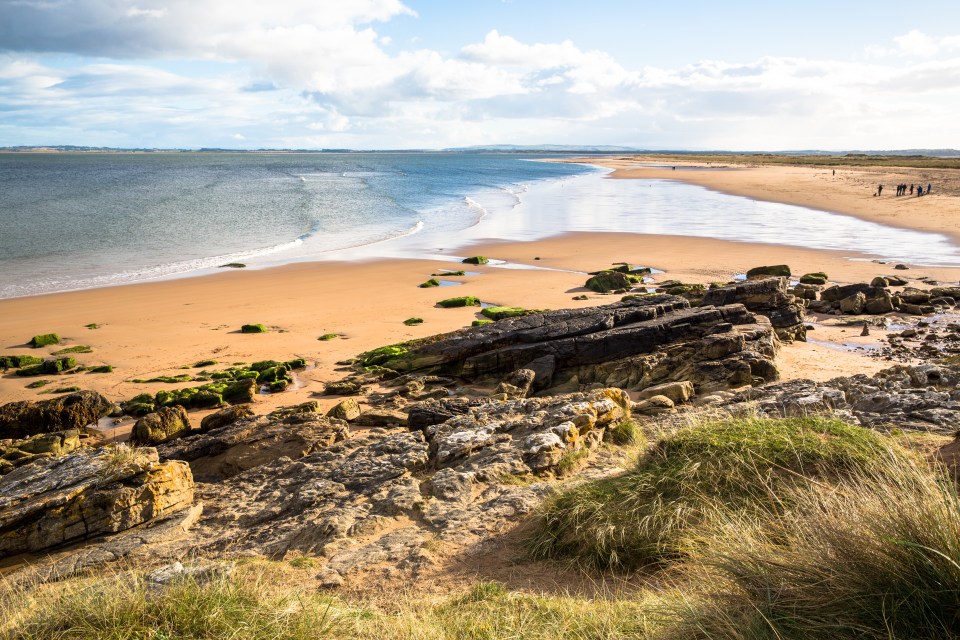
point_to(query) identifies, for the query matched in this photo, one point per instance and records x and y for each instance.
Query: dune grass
(878, 556)
(644, 516)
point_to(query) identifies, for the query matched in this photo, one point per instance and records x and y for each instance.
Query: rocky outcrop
(769, 297)
(87, 493)
(876, 298)
(382, 499)
(161, 426)
(17, 453)
(914, 398)
(632, 344)
(251, 442)
(72, 411)
(225, 416)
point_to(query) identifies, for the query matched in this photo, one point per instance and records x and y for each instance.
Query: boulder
(776, 270)
(880, 281)
(853, 304)
(88, 493)
(880, 302)
(653, 406)
(73, 411)
(896, 281)
(347, 409)
(161, 426)
(677, 392)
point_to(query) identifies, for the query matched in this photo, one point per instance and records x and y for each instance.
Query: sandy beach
(159, 328)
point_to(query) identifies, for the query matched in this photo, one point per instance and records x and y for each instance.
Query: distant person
(879, 189)
(928, 188)
(834, 172)
(911, 189)
(919, 191)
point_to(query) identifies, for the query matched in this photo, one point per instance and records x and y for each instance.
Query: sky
(392, 74)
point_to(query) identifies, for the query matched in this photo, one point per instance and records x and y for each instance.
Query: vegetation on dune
(877, 556)
(645, 516)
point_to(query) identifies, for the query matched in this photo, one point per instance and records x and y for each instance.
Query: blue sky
(427, 74)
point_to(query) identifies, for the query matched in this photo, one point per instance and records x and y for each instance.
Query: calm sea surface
(72, 221)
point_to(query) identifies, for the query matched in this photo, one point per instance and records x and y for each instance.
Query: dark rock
(74, 411)
(223, 417)
(818, 277)
(768, 297)
(431, 412)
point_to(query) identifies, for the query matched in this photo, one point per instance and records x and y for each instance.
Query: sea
(84, 220)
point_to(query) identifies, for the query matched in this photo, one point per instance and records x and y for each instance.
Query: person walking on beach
(911, 189)
(919, 191)
(879, 189)
(928, 188)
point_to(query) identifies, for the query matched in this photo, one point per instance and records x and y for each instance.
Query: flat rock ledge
(632, 344)
(87, 493)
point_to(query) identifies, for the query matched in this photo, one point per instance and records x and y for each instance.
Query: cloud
(299, 73)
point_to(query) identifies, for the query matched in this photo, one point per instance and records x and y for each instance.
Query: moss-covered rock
(103, 368)
(253, 328)
(410, 322)
(70, 389)
(817, 277)
(15, 362)
(240, 391)
(328, 336)
(345, 410)
(449, 274)
(44, 340)
(462, 301)
(607, 281)
(476, 260)
(139, 405)
(36, 384)
(204, 363)
(79, 348)
(432, 282)
(48, 367)
(233, 265)
(382, 355)
(779, 270)
(498, 313)
(480, 322)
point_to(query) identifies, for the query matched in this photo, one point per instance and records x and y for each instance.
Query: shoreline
(148, 329)
(848, 192)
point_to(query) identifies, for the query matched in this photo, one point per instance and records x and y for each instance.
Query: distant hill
(547, 148)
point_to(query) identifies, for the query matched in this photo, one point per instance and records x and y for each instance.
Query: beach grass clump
(258, 599)
(410, 322)
(449, 274)
(44, 340)
(253, 328)
(876, 556)
(329, 336)
(79, 348)
(476, 260)
(432, 282)
(499, 313)
(625, 433)
(462, 301)
(646, 515)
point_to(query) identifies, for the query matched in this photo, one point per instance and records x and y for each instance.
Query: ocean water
(73, 221)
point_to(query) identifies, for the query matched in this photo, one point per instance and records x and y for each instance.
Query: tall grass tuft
(644, 516)
(878, 557)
